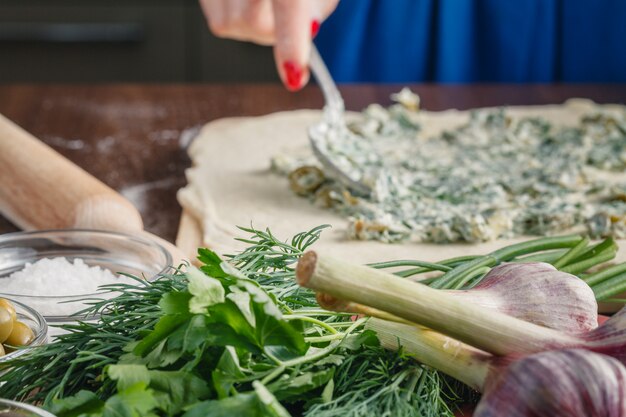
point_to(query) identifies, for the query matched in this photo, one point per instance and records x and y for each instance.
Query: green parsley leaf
(176, 302)
(175, 390)
(291, 389)
(128, 375)
(164, 327)
(240, 405)
(206, 291)
(212, 263)
(83, 404)
(227, 372)
(363, 339)
(135, 401)
(242, 300)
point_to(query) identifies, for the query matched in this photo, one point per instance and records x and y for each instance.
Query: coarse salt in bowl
(60, 269)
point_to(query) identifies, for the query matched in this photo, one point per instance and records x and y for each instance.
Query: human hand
(289, 25)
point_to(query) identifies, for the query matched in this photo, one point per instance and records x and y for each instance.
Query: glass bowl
(118, 252)
(15, 409)
(32, 319)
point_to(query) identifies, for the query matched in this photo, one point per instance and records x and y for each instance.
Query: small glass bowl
(15, 409)
(35, 321)
(118, 252)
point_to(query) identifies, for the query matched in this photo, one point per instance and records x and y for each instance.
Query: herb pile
(240, 337)
(492, 177)
(217, 343)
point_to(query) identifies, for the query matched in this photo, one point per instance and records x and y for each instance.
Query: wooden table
(133, 137)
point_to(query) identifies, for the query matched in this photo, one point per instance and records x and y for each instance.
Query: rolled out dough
(230, 184)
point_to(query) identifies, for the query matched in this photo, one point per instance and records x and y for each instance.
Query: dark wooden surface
(133, 137)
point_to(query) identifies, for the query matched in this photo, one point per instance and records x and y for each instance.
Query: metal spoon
(334, 145)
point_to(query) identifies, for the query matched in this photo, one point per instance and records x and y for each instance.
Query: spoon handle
(334, 103)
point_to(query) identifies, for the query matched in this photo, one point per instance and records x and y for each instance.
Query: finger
(320, 10)
(216, 12)
(293, 41)
(253, 20)
(327, 7)
(246, 20)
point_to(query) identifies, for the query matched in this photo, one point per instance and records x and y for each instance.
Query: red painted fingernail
(293, 75)
(315, 27)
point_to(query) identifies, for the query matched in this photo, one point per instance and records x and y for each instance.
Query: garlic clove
(537, 293)
(565, 383)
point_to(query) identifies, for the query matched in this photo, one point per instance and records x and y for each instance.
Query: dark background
(121, 41)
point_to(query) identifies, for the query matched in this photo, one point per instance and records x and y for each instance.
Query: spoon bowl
(333, 143)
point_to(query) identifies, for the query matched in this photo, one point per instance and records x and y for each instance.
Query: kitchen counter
(133, 137)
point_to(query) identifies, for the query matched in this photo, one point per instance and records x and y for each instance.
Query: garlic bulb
(565, 383)
(609, 338)
(537, 293)
(491, 374)
(486, 348)
(485, 329)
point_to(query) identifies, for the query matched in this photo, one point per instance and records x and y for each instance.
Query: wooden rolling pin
(40, 189)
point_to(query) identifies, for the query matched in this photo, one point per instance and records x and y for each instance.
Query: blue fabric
(460, 41)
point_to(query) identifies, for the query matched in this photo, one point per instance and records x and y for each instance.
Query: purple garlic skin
(565, 383)
(610, 338)
(537, 293)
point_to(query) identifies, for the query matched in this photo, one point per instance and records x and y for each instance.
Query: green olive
(2, 352)
(6, 304)
(21, 335)
(6, 324)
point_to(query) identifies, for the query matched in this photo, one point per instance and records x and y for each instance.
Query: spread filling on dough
(493, 176)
